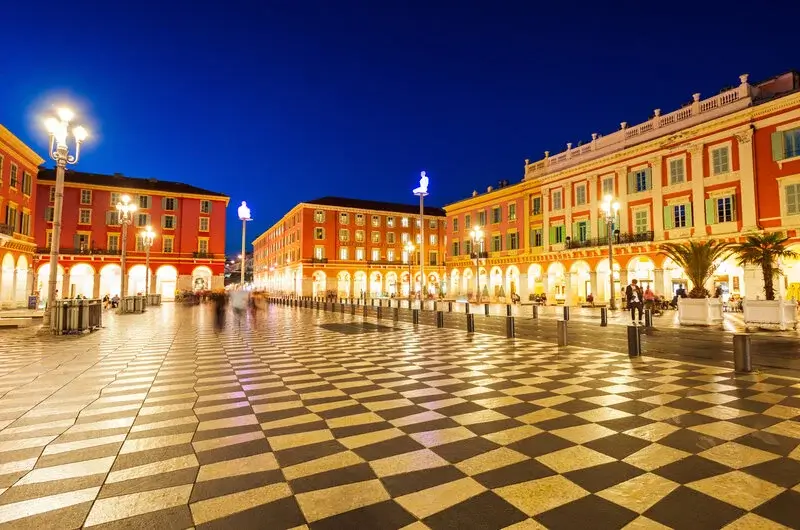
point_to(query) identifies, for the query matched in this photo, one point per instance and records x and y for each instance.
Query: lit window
(677, 173)
(85, 216)
(580, 195)
(376, 254)
(343, 253)
(557, 200)
(319, 216)
(404, 222)
(344, 218)
(359, 218)
(390, 222)
(359, 254)
(204, 224)
(344, 234)
(359, 236)
(390, 255)
(319, 233)
(720, 161)
(376, 220)
(433, 239)
(512, 212)
(319, 252)
(608, 186)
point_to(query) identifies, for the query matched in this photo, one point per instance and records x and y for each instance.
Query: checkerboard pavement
(299, 419)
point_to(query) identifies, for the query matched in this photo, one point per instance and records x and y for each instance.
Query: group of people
(239, 300)
(111, 301)
(638, 299)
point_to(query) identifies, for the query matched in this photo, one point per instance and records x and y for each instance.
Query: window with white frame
(720, 160)
(168, 222)
(319, 233)
(557, 205)
(512, 211)
(115, 197)
(679, 219)
(418, 239)
(608, 186)
(344, 253)
(390, 222)
(640, 183)
(202, 246)
(375, 236)
(113, 242)
(390, 238)
(580, 195)
(404, 222)
(319, 252)
(53, 194)
(536, 205)
(433, 224)
(359, 254)
(205, 206)
(204, 224)
(27, 183)
(359, 236)
(641, 221)
(168, 244)
(359, 218)
(144, 201)
(376, 254)
(390, 255)
(433, 239)
(169, 203)
(344, 218)
(792, 196)
(319, 216)
(14, 181)
(677, 171)
(344, 234)
(86, 196)
(404, 237)
(85, 216)
(376, 220)
(725, 209)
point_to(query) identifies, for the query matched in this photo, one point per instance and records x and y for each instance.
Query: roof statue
(423, 185)
(244, 212)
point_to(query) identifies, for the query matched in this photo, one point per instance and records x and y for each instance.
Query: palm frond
(698, 260)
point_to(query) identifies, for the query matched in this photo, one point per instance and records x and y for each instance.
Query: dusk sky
(280, 102)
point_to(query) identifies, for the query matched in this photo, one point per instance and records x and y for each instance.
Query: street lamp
(58, 129)
(125, 210)
(476, 234)
(421, 192)
(409, 248)
(244, 216)
(148, 236)
(609, 208)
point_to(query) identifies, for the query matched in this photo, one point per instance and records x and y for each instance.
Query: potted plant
(501, 294)
(699, 260)
(764, 251)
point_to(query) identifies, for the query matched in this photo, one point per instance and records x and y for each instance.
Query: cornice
(19, 148)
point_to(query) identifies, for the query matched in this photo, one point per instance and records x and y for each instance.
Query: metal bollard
(466, 308)
(409, 303)
(648, 318)
(566, 312)
(396, 315)
(341, 307)
(439, 319)
(603, 317)
(434, 306)
(510, 328)
(634, 341)
(317, 305)
(742, 361)
(449, 307)
(379, 311)
(470, 323)
(535, 311)
(486, 310)
(380, 302)
(365, 310)
(415, 316)
(352, 309)
(508, 310)
(561, 332)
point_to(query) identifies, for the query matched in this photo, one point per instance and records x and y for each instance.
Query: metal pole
(55, 243)
(244, 266)
(147, 272)
(422, 246)
(612, 303)
(477, 273)
(124, 283)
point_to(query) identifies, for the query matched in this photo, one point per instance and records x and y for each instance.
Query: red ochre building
(188, 252)
(717, 167)
(18, 168)
(349, 247)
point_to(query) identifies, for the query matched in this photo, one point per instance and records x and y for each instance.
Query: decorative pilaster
(593, 284)
(622, 185)
(747, 180)
(698, 189)
(594, 199)
(656, 165)
(96, 287)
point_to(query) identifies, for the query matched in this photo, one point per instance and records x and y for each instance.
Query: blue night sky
(280, 102)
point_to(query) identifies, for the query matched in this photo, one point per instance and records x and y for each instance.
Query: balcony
(384, 262)
(319, 260)
(479, 255)
(82, 251)
(6, 230)
(203, 255)
(617, 239)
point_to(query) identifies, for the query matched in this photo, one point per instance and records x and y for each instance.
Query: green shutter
(552, 236)
(588, 230)
(689, 215)
(711, 212)
(778, 152)
(648, 178)
(631, 182)
(601, 228)
(508, 242)
(733, 207)
(669, 217)
(617, 223)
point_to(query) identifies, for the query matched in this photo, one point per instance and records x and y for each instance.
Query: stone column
(623, 283)
(593, 284)
(13, 297)
(594, 199)
(747, 180)
(753, 283)
(30, 285)
(658, 198)
(698, 190)
(96, 287)
(522, 287)
(622, 186)
(660, 286)
(66, 285)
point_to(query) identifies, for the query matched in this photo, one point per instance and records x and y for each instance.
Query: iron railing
(319, 260)
(617, 239)
(82, 251)
(6, 229)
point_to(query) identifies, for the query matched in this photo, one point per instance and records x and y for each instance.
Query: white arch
(136, 280)
(21, 288)
(81, 281)
(201, 278)
(580, 279)
(375, 284)
(360, 283)
(405, 283)
(7, 284)
(455, 282)
(319, 283)
(642, 269)
(535, 285)
(166, 282)
(512, 280)
(556, 283)
(110, 280)
(43, 280)
(391, 283)
(343, 284)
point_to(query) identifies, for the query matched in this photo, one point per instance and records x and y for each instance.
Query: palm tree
(699, 260)
(764, 250)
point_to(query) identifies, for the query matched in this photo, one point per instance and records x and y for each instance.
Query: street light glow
(80, 134)
(65, 114)
(51, 124)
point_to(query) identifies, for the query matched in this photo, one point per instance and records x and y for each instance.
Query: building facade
(349, 248)
(188, 253)
(715, 168)
(18, 169)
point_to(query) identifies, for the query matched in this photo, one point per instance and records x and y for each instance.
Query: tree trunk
(769, 289)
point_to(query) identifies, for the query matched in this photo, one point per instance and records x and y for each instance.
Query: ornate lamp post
(148, 236)
(421, 192)
(58, 128)
(409, 248)
(125, 210)
(476, 234)
(609, 209)
(244, 216)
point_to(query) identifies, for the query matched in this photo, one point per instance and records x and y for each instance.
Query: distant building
(18, 169)
(188, 252)
(347, 247)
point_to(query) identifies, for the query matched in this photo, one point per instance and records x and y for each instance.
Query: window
(319, 252)
(639, 181)
(497, 215)
(375, 237)
(113, 242)
(86, 196)
(433, 258)
(720, 161)
(359, 218)
(27, 183)
(557, 200)
(319, 233)
(376, 220)
(608, 186)
(404, 237)
(14, 182)
(390, 255)
(204, 224)
(455, 224)
(376, 254)
(513, 241)
(482, 218)
(433, 239)
(169, 203)
(112, 218)
(792, 192)
(359, 236)
(144, 201)
(49, 238)
(405, 257)
(677, 172)
(11, 217)
(25, 222)
(81, 241)
(85, 216)
(456, 248)
(468, 247)
(433, 224)
(678, 216)
(168, 222)
(49, 214)
(168, 244)
(581, 231)
(344, 218)
(390, 222)
(139, 243)
(536, 205)
(404, 222)
(418, 239)
(641, 221)
(205, 206)
(359, 254)
(319, 216)
(142, 219)
(467, 222)
(580, 195)
(724, 209)
(115, 198)
(557, 234)
(512, 212)
(52, 194)
(202, 246)
(497, 243)
(786, 144)
(343, 253)
(536, 237)
(390, 238)
(344, 234)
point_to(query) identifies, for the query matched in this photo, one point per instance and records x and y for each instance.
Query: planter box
(770, 314)
(700, 311)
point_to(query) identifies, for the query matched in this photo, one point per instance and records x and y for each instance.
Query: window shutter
(778, 152)
(163, 221)
(689, 215)
(76, 241)
(48, 213)
(211, 204)
(163, 203)
(648, 178)
(552, 235)
(631, 182)
(733, 208)
(108, 218)
(710, 212)
(588, 230)
(508, 241)
(601, 228)
(669, 217)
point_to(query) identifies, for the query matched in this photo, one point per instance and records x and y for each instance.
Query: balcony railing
(319, 260)
(384, 262)
(617, 239)
(7, 230)
(82, 251)
(479, 255)
(203, 255)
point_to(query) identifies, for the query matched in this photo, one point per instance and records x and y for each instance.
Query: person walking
(634, 298)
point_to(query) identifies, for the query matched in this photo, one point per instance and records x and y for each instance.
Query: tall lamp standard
(125, 210)
(244, 216)
(421, 192)
(148, 236)
(409, 248)
(58, 129)
(476, 234)
(609, 209)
